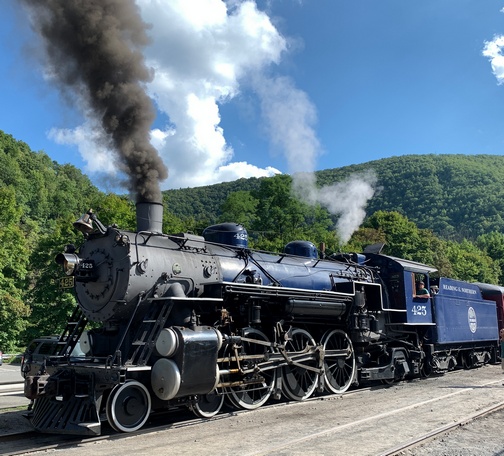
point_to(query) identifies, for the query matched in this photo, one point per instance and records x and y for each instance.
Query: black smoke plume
(94, 49)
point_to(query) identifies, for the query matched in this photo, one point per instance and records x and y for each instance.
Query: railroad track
(292, 427)
(423, 439)
(31, 441)
(25, 442)
(370, 420)
(10, 388)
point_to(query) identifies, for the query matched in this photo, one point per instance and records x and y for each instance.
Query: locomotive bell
(88, 222)
(84, 224)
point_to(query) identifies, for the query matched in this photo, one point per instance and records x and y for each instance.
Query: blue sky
(281, 86)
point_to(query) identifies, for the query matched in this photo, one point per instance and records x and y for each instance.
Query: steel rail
(427, 437)
(367, 420)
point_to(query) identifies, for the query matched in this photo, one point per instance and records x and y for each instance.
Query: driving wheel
(339, 361)
(298, 382)
(257, 386)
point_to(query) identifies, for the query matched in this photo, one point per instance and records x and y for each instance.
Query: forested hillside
(456, 196)
(441, 210)
(36, 195)
(205, 203)
(39, 200)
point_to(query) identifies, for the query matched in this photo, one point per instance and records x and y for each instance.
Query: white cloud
(201, 51)
(493, 50)
(235, 170)
(92, 146)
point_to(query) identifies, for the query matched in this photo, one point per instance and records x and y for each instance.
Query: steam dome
(227, 233)
(301, 248)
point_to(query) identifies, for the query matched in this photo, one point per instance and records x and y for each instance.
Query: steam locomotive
(170, 321)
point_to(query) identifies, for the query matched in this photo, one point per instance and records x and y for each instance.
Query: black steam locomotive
(191, 321)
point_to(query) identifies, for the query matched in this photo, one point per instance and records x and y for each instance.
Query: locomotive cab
(395, 351)
(401, 278)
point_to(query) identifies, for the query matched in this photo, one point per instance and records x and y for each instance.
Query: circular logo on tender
(471, 317)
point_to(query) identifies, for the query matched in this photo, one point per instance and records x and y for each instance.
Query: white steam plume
(348, 199)
(290, 118)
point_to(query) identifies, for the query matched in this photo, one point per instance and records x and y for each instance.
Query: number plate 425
(66, 282)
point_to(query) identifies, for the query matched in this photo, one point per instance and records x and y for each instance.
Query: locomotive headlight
(69, 261)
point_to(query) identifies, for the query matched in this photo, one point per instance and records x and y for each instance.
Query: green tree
(239, 207)
(471, 264)
(50, 305)
(15, 242)
(402, 237)
(281, 217)
(459, 260)
(493, 245)
(364, 237)
(455, 196)
(114, 209)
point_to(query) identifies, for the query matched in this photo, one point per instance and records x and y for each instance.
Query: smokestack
(149, 216)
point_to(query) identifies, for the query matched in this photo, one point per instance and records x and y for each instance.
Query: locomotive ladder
(149, 329)
(72, 332)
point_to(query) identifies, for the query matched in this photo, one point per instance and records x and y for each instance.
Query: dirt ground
(368, 422)
(482, 437)
(12, 421)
